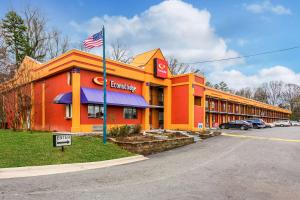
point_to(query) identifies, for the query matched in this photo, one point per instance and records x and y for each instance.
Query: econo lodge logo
(160, 68)
(98, 80)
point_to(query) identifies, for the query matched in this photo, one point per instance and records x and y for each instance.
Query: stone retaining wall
(155, 146)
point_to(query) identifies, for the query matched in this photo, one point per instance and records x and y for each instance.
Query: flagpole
(104, 89)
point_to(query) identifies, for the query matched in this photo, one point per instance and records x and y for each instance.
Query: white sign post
(61, 140)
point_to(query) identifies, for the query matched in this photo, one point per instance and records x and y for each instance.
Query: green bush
(114, 131)
(124, 131)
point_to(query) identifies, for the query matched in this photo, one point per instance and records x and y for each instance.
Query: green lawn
(31, 149)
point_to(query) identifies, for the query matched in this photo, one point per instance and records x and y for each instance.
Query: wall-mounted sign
(98, 80)
(200, 125)
(114, 84)
(160, 68)
(123, 86)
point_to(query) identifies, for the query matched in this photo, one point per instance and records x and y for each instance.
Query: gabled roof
(143, 58)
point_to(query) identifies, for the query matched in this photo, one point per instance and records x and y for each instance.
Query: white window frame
(68, 111)
(131, 116)
(94, 115)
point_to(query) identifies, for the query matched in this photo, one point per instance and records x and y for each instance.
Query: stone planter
(153, 146)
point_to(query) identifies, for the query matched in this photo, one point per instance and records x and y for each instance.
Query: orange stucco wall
(54, 113)
(180, 104)
(37, 106)
(199, 115)
(180, 79)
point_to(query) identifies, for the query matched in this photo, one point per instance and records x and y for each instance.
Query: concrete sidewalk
(64, 168)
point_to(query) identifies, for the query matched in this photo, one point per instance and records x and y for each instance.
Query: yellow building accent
(43, 106)
(146, 111)
(167, 107)
(191, 102)
(32, 106)
(75, 101)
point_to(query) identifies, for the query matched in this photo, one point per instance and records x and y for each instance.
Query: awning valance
(64, 98)
(95, 96)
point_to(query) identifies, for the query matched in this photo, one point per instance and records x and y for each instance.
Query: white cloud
(235, 79)
(242, 42)
(267, 6)
(178, 28)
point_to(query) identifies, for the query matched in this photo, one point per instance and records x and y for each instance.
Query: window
(197, 101)
(69, 78)
(206, 104)
(130, 113)
(69, 111)
(224, 107)
(212, 105)
(95, 111)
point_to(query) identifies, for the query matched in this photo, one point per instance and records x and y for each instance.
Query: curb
(19, 172)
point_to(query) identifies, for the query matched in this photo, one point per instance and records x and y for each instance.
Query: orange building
(66, 95)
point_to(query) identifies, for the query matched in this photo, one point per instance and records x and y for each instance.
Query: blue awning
(95, 96)
(64, 98)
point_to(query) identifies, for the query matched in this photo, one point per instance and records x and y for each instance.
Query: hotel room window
(95, 111)
(69, 78)
(130, 113)
(197, 101)
(69, 111)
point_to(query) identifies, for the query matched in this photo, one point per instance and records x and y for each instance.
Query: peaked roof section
(143, 58)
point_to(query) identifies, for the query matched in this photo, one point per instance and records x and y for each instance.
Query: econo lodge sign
(160, 68)
(114, 84)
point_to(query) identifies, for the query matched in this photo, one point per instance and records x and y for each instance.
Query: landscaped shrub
(124, 131)
(137, 129)
(114, 131)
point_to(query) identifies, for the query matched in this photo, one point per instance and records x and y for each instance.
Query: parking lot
(288, 133)
(259, 164)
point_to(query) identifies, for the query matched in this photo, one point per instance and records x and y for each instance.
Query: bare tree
(274, 91)
(43, 44)
(15, 99)
(260, 94)
(56, 44)
(180, 68)
(36, 33)
(291, 95)
(245, 92)
(120, 52)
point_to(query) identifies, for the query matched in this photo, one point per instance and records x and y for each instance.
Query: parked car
(269, 125)
(282, 123)
(257, 123)
(240, 124)
(294, 123)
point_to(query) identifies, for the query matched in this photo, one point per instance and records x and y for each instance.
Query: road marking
(260, 138)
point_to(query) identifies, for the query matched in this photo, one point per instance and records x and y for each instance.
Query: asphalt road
(223, 167)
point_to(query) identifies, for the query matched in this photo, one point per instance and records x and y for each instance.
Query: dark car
(257, 123)
(240, 124)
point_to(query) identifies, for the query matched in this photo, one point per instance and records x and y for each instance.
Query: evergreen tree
(13, 28)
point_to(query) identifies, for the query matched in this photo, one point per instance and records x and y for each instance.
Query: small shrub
(114, 131)
(124, 131)
(137, 129)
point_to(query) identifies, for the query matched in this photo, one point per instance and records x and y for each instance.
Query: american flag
(95, 40)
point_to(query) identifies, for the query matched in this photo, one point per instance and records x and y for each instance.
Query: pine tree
(13, 28)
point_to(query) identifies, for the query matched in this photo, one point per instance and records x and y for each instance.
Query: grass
(19, 149)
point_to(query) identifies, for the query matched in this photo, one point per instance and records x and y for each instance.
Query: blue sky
(216, 29)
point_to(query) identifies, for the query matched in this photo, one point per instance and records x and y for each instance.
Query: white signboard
(62, 140)
(200, 125)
